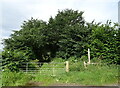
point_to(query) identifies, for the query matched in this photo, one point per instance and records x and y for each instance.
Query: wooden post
(85, 64)
(88, 56)
(53, 70)
(26, 67)
(40, 66)
(67, 66)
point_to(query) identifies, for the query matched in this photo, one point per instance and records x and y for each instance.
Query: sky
(14, 12)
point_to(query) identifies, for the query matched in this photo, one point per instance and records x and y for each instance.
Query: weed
(93, 75)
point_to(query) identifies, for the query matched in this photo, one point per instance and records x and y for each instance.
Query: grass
(93, 76)
(14, 78)
(97, 75)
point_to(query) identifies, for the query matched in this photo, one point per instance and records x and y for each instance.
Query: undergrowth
(102, 74)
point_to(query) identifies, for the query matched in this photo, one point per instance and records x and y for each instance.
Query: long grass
(96, 75)
(92, 76)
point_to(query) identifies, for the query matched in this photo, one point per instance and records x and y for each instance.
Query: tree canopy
(65, 35)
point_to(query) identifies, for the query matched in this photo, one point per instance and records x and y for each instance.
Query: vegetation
(66, 36)
(78, 75)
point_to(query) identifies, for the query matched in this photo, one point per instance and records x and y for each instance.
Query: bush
(14, 78)
(77, 66)
(94, 75)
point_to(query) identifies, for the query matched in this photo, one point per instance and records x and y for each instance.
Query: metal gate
(44, 68)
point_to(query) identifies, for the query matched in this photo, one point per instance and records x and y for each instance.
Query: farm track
(62, 84)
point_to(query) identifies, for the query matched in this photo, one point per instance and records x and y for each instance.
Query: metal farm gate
(45, 68)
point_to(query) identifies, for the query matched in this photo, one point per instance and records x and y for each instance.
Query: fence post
(88, 56)
(53, 70)
(26, 67)
(85, 64)
(67, 66)
(40, 67)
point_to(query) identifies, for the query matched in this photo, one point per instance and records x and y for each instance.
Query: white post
(85, 64)
(26, 67)
(40, 69)
(67, 66)
(53, 70)
(88, 56)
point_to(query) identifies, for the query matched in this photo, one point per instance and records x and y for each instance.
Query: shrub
(14, 78)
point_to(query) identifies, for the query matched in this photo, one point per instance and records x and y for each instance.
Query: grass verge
(95, 75)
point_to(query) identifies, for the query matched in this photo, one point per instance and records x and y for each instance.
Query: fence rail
(44, 68)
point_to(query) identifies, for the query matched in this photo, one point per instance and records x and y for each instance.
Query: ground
(61, 84)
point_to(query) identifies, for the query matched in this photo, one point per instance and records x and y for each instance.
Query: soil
(34, 84)
(61, 84)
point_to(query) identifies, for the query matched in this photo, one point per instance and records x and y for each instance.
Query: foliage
(99, 75)
(17, 60)
(92, 76)
(14, 78)
(104, 42)
(64, 36)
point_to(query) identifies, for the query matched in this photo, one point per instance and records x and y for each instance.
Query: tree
(68, 30)
(65, 35)
(104, 42)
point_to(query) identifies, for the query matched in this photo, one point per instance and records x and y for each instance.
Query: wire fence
(43, 68)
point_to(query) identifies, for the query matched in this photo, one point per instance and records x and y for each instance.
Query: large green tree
(65, 35)
(104, 42)
(67, 30)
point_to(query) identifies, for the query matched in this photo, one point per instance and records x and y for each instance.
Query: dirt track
(61, 84)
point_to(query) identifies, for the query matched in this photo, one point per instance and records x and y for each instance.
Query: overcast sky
(14, 12)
